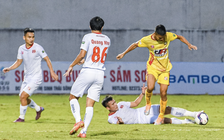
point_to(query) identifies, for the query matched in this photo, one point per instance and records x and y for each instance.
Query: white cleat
(146, 112)
(147, 109)
(158, 121)
(189, 121)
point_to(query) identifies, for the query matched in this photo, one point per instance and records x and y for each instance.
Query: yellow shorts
(161, 77)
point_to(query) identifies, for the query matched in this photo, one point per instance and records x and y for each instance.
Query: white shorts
(29, 86)
(148, 119)
(91, 80)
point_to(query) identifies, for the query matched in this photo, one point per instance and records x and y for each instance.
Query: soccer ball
(201, 118)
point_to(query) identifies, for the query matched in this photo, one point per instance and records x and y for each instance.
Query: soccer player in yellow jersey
(158, 64)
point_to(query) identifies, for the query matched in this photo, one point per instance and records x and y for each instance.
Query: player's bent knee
(150, 89)
(163, 93)
(24, 96)
(72, 97)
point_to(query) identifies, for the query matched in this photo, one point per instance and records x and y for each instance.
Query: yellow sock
(148, 96)
(162, 108)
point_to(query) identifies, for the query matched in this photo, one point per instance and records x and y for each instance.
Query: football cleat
(76, 127)
(39, 113)
(19, 120)
(189, 121)
(82, 135)
(158, 121)
(147, 109)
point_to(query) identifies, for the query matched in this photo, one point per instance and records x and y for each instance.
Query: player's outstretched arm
(77, 60)
(139, 99)
(130, 48)
(53, 74)
(13, 66)
(184, 40)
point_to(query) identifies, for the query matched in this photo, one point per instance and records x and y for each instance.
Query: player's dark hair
(106, 100)
(26, 30)
(96, 23)
(160, 29)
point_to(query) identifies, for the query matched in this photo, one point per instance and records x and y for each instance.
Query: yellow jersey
(159, 54)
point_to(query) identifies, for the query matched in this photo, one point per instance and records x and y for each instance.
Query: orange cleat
(76, 127)
(82, 135)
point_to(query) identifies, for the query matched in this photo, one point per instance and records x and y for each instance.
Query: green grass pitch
(57, 120)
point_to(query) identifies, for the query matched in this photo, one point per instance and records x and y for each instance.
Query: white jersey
(127, 114)
(97, 46)
(133, 116)
(32, 60)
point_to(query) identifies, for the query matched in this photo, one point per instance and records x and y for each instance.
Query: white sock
(23, 111)
(34, 105)
(176, 121)
(75, 108)
(179, 112)
(191, 114)
(87, 119)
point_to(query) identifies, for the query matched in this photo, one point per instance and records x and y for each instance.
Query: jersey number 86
(96, 55)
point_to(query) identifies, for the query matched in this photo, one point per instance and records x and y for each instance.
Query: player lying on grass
(123, 112)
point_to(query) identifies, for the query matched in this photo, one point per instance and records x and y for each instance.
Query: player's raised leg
(75, 108)
(148, 92)
(38, 109)
(163, 103)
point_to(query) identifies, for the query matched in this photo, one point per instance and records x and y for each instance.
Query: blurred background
(61, 24)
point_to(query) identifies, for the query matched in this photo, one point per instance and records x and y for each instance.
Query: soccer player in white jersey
(94, 46)
(31, 54)
(123, 112)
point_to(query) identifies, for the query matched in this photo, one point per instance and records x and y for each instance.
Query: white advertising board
(124, 78)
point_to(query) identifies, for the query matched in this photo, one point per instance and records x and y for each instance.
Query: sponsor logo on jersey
(165, 78)
(152, 46)
(161, 52)
(83, 42)
(33, 51)
(174, 35)
(42, 51)
(29, 88)
(121, 106)
(165, 43)
(22, 52)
